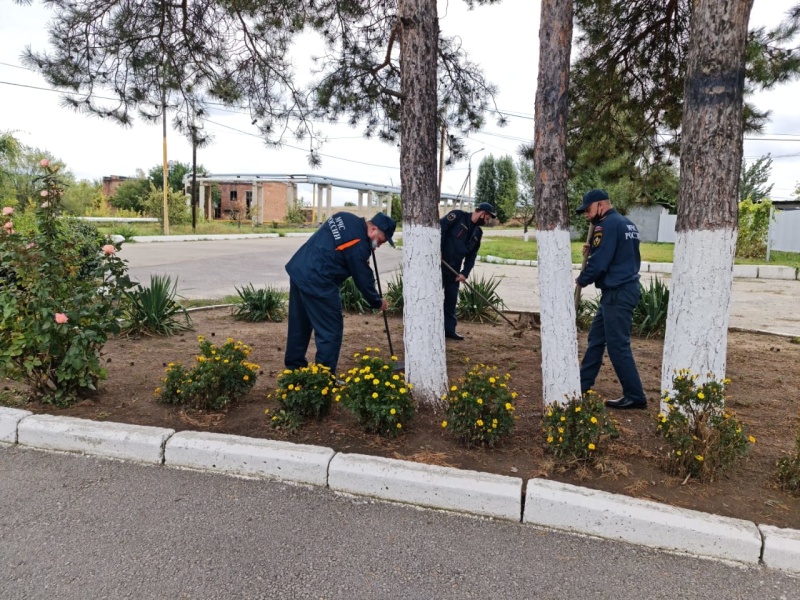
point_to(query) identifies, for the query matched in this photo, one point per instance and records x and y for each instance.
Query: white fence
(784, 234)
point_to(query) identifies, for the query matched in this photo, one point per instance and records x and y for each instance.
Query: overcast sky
(501, 38)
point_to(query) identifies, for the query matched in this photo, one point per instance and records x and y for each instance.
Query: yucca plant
(352, 300)
(475, 301)
(394, 293)
(650, 315)
(587, 309)
(153, 310)
(259, 305)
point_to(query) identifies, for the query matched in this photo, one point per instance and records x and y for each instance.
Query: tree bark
(423, 298)
(560, 373)
(711, 158)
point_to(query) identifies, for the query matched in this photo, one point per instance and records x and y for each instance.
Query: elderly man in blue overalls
(613, 268)
(339, 249)
(461, 240)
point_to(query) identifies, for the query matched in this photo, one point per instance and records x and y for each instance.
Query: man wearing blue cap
(613, 267)
(339, 249)
(461, 239)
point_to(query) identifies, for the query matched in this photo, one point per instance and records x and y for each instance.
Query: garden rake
(400, 366)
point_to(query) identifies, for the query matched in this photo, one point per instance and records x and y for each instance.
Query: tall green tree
(176, 171)
(497, 184)
(486, 182)
(753, 180)
(525, 200)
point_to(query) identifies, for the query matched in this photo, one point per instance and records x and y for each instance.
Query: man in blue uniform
(613, 267)
(461, 239)
(339, 249)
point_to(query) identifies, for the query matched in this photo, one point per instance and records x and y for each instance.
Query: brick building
(111, 183)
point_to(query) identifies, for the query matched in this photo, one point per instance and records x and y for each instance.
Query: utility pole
(166, 167)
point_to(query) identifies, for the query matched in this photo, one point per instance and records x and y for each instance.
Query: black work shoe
(454, 336)
(625, 403)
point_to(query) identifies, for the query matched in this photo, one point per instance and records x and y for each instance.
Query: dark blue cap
(590, 197)
(386, 224)
(485, 206)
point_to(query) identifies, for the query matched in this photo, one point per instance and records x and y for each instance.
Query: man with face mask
(613, 267)
(339, 249)
(461, 239)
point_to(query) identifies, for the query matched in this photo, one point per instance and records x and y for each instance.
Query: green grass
(518, 249)
(200, 302)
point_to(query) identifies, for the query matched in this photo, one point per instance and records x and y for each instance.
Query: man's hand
(460, 278)
(578, 283)
(384, 304)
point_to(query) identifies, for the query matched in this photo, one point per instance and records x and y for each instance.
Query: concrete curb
(252, 457)
(642, 522)
(432, 486)
(781, 548)
(739, 271)
(114, 440)
(9, 422)
(546, 503)
(153, 239)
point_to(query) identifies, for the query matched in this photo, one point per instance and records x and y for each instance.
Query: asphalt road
(75, 528)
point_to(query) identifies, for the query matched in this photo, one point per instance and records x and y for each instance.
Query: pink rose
(7, 210)
(9, 225)
(43, 193)
(109, 249)
(29, 246)
(61, 318)
(44, 162)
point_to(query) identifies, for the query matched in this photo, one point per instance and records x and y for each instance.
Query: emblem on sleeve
(597, 238)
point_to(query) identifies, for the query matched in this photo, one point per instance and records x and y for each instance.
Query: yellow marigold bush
(303, 393)
(480, 407)
(579, 429)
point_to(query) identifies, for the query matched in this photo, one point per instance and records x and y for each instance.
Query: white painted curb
(112, 440)
(445, 488)
(617, 517)
(253, 457)
(776, 272)
(745, 271)
(153, 239)
(781, 548)
(9, 421)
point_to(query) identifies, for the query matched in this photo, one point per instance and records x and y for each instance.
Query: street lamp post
(469, 175)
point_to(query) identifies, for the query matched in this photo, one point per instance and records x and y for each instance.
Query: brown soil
(764, 373)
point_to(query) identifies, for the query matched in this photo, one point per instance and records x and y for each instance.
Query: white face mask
(374, 244)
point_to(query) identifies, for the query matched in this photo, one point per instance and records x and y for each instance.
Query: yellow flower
(246, 377)
(374, 394)
(158, 390)
(444, 423)
(402, 390)
(591, 446)
(492, 380)
(560, 430)
(701, 395)
(593, 420)
(225, 361)
(338, 398)
(393, 411)
(698, 457)
(678, 452)
(325, 391)
(286, 372)
(508, 406)
(357, 379)
(453, 388)
(514, 395)
(291, 386)
(480, 400)
(399, 425)
(752, 439)
(563, 418)
(266, 412)
(376, 381)
(395, 377)
(577, 409)
(550, 439)
(479, 422)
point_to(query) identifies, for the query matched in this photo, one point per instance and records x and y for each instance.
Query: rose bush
(59, 299)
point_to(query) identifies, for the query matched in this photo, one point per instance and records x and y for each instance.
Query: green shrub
(153, 310)
(377, 394)
(60, 291)
(704, 439)
(259, 305)
(352, 299)
(751, 241)
(303, 393)
(787, 470)
(587, 309)
(126, 230)
(579, 429)
(650, 314)
(221, 375)
(394, 293)
(480, 409)
(475, 303)
(179, 211)
(295, 214)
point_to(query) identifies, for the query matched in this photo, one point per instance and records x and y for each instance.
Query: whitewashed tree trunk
(560, 372)
(711, 156)
(423, 328)
(423, 298)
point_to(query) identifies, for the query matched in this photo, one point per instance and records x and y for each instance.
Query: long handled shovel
(583, 266)
(481, 296)
(400, 365)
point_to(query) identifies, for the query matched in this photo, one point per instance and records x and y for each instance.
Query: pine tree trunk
(711, 156)
(423, 298)
(560, 373)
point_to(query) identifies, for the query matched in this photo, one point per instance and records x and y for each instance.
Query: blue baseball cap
(486, 207)
(590, 197)
(386, 224)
